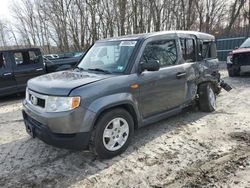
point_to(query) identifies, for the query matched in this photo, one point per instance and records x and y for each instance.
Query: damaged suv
(122, 84)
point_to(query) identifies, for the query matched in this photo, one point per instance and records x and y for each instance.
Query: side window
(188, 49)
(2, 61)
(183, 48)
(163, 51)
(208, 49)
(26, 58)
(33, 57)
(19, 58)
(213, 50)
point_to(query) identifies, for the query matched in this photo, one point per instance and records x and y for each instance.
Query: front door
(164, 89)
(7, 79)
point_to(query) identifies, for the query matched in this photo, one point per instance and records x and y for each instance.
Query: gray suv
(122, 84)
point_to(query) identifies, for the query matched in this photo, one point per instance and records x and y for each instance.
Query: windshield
(109, 57)
(245, 44)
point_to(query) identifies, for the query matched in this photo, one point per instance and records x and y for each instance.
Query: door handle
(39, 69)
(7, 74)
(181, 75)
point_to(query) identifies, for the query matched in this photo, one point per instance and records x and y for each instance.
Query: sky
(5, 9)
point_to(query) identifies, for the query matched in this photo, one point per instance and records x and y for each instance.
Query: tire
(116, 134)
(231, 73)
(237, 72)
(207, 98)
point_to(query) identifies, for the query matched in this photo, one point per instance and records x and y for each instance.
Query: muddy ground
(192, 149)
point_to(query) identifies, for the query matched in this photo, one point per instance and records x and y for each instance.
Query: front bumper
(238, 68)
(74, 121)
(71, 130)
(69, 141)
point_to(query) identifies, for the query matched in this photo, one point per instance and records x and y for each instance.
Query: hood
(241, 50)
(61, 83)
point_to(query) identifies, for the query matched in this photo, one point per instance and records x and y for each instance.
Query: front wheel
(207, 98)
(112, 134)
(231, 73)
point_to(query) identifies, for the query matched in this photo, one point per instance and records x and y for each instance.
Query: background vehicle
(17, 67)
(122, 84)
(238, 61)
(53, 65)
(51, 56)
(62, 62)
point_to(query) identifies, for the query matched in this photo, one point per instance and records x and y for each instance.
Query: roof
(19, 49)
(199, 35)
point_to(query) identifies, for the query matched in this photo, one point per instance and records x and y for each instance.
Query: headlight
(61, 104)
(229, 60)
(27, 94)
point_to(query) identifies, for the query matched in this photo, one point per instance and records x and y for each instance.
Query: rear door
(28, 64)
(209, 55)
(190, 65)
(7, 79)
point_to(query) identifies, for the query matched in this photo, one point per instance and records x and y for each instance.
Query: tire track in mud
(219, 170)
(13, 121)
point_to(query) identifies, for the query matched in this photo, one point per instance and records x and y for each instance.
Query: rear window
(26, 58)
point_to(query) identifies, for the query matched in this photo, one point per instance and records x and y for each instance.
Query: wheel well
(128, 107)
(213, 84)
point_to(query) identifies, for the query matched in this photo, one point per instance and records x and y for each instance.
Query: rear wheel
(113, 133)
(207, 98)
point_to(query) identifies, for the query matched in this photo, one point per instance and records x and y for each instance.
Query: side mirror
(236, 47)
(150, 65)
(200, 57)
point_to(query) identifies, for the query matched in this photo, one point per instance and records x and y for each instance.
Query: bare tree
(235, 9)
(76, 24)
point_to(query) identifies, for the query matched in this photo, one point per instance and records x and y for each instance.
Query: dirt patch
(241, 136)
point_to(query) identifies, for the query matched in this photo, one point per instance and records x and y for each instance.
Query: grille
(36, 99)
(242, 58)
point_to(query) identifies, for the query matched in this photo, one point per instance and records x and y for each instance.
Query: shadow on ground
(11, 99)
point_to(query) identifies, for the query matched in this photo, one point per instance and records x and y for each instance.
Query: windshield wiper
(100, 70)
(79, 68)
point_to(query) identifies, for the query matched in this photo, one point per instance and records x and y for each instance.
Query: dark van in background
(17, 67)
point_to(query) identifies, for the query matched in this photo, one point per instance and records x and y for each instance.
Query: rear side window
(2, 61)
(26, 58)
(208, 49)
(188, 49)
(33, 57)
(163, 51)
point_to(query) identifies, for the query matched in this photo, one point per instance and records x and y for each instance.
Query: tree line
(73, 25)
